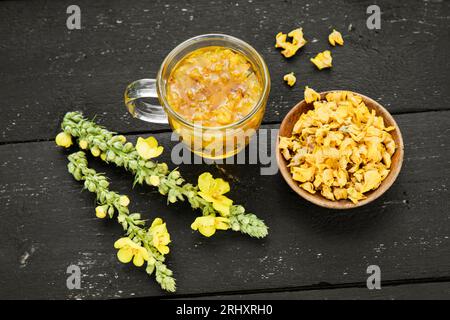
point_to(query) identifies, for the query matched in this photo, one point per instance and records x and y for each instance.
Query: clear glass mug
(208, 142)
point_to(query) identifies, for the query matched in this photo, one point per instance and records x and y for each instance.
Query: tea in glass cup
(213, 90)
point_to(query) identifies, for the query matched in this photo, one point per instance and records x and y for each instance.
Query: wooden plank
(420, 291)
(48, 70)
(47, 224)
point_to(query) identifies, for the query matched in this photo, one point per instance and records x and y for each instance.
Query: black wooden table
(47, 223)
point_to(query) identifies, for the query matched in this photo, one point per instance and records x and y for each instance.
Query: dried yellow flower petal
(308, 186)
(323, 60)
(290, 48)
(336, 37)
(311, 95)
(290, 79)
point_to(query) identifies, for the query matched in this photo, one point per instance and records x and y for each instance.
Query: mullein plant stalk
(218, 211)
(143, 245)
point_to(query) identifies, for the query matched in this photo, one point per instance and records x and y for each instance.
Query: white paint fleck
(27, 254)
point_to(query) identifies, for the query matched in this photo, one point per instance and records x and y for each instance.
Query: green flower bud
(128, 147)
(118, 145)
(150, 268)
(118, 161)
(174, 174)
(104, 183)
(150, 164)
(103, 146)
(133, 164)
(110, 155)
(235, 227)
(163, 168)
(71, 167)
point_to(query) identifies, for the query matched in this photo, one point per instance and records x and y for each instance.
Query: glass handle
(139, 100)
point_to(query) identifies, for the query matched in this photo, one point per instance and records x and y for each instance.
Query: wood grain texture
(47, 224)
(421, 291)
(48, 70)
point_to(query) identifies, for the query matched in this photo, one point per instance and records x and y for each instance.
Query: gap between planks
(161, 131)
(316, 287)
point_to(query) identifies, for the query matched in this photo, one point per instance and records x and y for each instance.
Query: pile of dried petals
(341, 148)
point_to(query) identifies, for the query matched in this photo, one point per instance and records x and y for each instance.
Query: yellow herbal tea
(213, 86)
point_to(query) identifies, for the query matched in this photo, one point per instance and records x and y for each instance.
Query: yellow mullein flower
(63, 139)
(161, 237)
(124, 201)
(322, 60)
(148, 148)
(290, 79)
(311, 95)
(101, 211)
(212, 190)
(207, 225)
(335, 37)
(129, 249)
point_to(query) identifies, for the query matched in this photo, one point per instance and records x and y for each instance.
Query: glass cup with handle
(216, 142)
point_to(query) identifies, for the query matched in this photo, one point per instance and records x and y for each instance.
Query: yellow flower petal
(163, 249)
(207, 231)
(206, 196)
(290, 79)
(203, 221)
(290, 48)
(221, 186)
(138, 260)
(144, 253)
(223, 204)
(156, 152)
(323, 60)
(311, 95)
(205, 181)
(222, 223)
(152, 142)
(335, 37)
(120, 243)
(156, 222)
(372, 180)
(221, 208)
(125, 255)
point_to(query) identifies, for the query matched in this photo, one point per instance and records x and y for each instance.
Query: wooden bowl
(286, 131)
